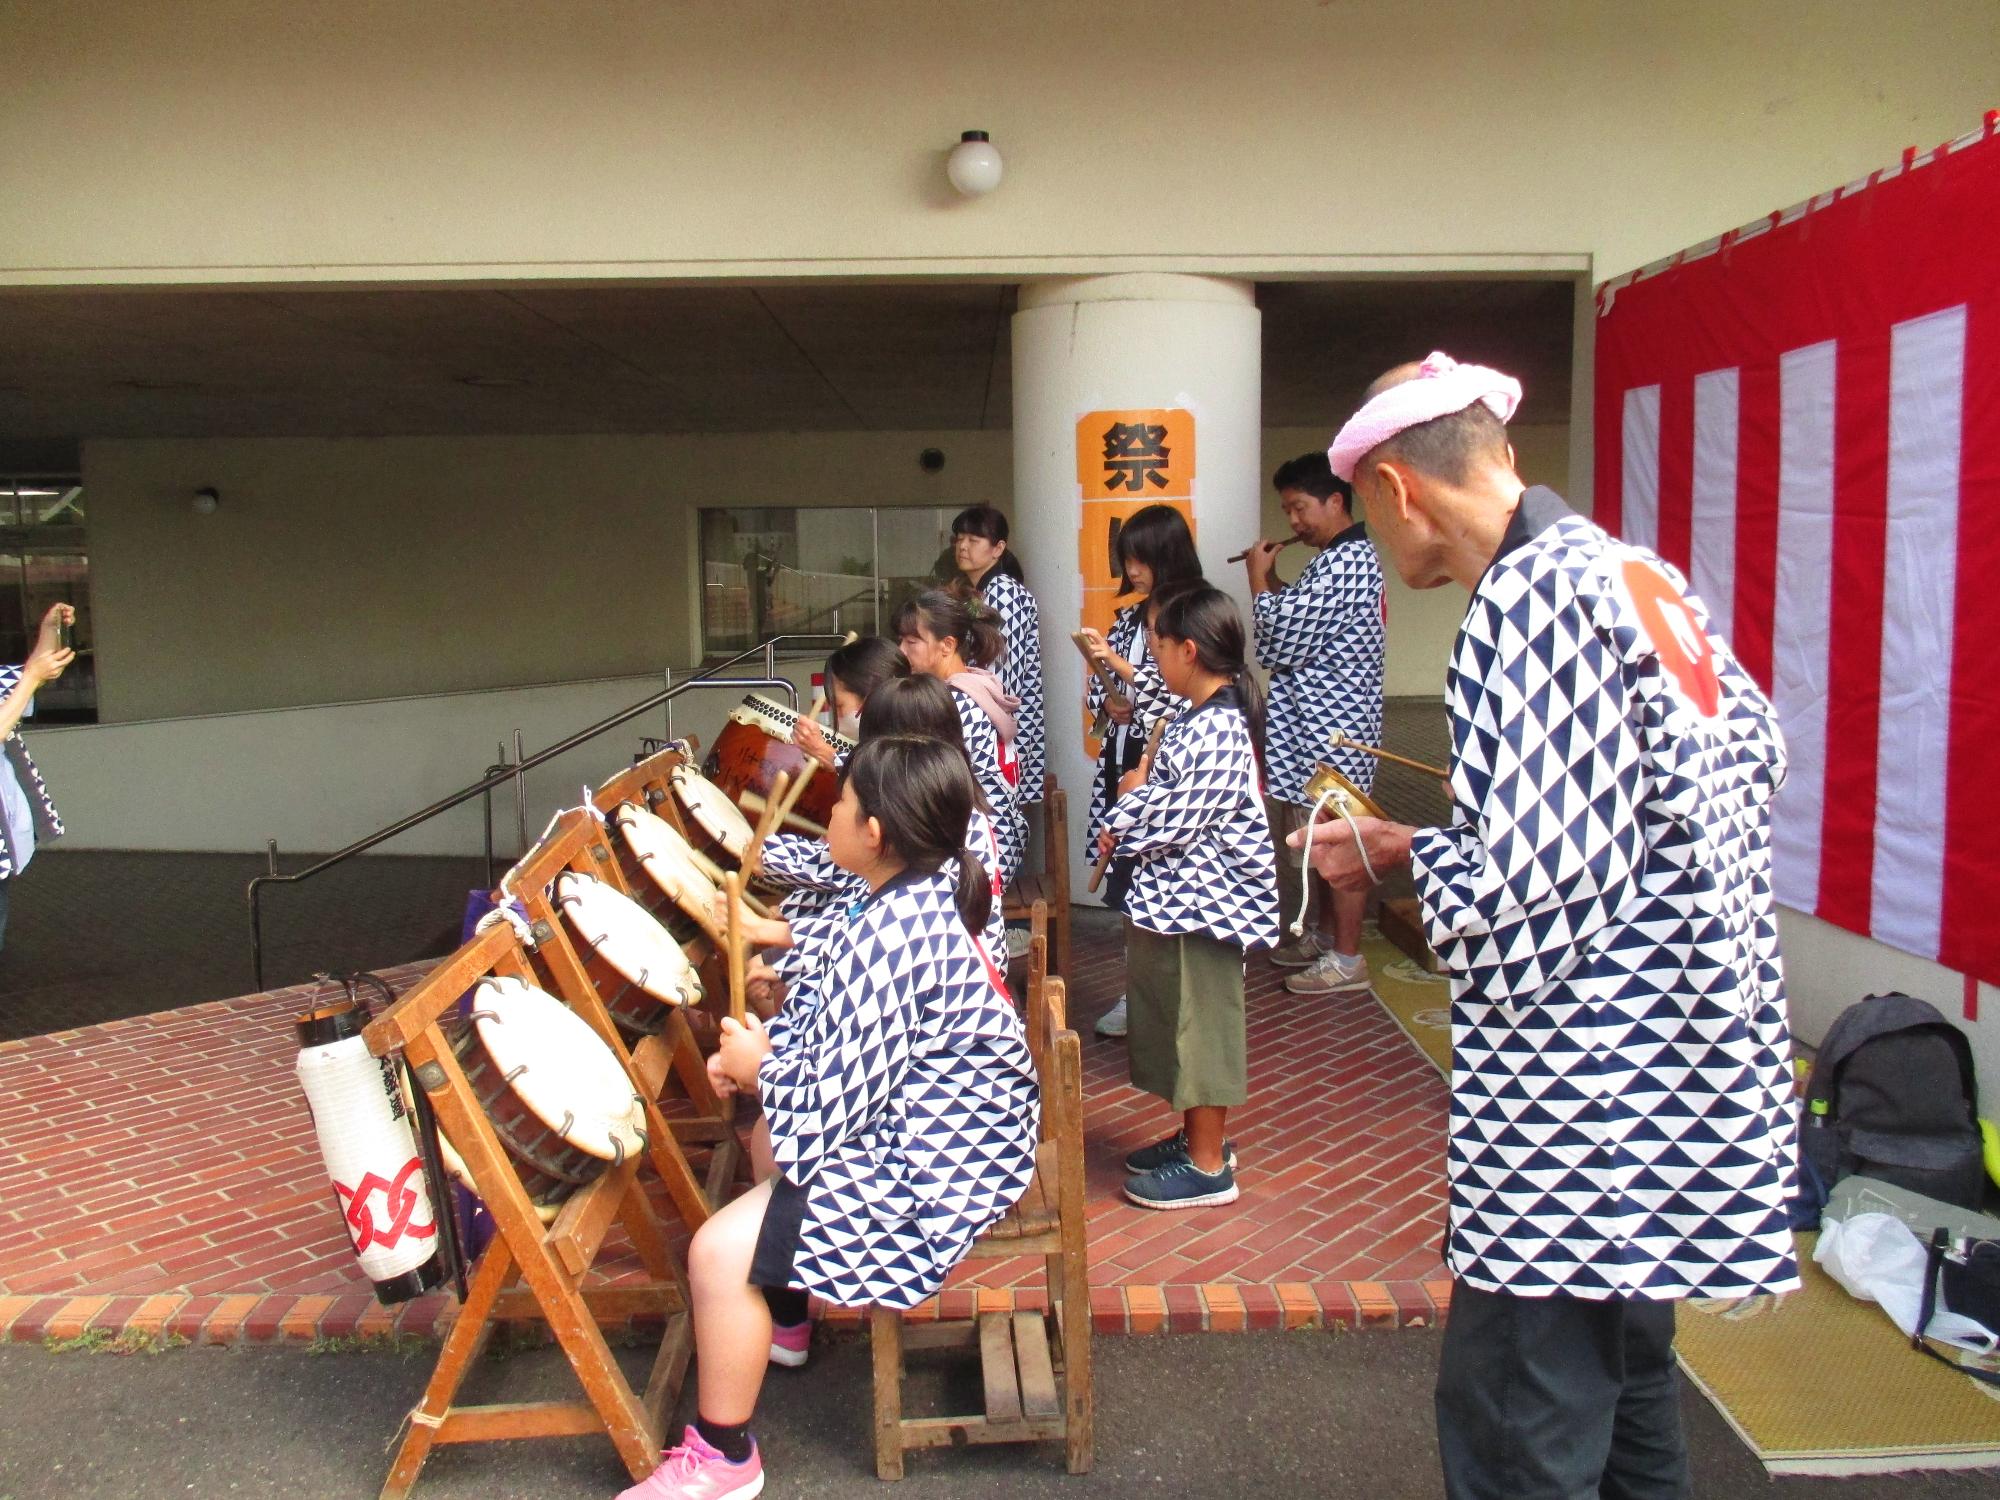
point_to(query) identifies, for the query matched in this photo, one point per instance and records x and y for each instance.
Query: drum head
(668, 859)
(710, 806)
(559, 1068)
(625, 935)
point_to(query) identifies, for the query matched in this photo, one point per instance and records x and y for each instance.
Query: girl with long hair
(987, 565)
(1204, 891)
(957, 640)
(1153, 551)
(900, 1098)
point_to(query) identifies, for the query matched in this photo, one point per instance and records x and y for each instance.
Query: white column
(1130, 343)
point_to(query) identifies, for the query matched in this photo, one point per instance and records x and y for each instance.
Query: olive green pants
(1184, 1002)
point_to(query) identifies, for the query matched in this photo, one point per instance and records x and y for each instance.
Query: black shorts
(778, 1237)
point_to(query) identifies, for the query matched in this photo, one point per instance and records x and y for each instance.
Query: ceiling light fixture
(974, 167)
(206, 500)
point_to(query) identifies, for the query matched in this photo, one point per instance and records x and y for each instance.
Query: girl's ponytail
(974, 894)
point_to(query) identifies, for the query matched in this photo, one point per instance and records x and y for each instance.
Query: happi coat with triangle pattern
(900, 1095)
(1621, 1117)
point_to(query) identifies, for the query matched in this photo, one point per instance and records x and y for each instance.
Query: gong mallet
(1145, 770)
(1287, 542)
(1342, 740)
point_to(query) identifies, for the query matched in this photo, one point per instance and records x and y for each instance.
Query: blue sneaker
(1181, 1184)
(1174, 1148)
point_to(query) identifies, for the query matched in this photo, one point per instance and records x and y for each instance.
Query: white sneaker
(1331, 974)
(1112, 1022)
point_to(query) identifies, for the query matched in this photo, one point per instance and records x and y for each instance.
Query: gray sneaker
(1112, 1022)
(1174, 1148)
(1303, 954)
(1332, 974)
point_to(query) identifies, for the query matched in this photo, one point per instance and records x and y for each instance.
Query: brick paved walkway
(160, 1173)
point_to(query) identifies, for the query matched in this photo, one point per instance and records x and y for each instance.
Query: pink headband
(1441, 386)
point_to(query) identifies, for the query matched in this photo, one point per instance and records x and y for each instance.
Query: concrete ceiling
(255, 363)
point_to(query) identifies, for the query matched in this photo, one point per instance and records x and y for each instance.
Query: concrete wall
(363, 568)
(221, 140)
(360, 568)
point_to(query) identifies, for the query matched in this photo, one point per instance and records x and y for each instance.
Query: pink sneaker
(695, 1471)
(790, 1346)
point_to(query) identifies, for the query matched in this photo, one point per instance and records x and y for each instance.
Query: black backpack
(1891, 1095)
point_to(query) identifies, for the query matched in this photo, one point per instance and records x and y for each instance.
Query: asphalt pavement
(1265, 1415)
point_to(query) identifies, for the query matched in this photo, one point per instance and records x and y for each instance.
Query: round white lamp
(974, 167)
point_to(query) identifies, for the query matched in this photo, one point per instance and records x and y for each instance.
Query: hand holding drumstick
(1107, 841)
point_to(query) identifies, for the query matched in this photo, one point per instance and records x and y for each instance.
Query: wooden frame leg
(885, 1329)
(461, 1348)
(1079, 1395)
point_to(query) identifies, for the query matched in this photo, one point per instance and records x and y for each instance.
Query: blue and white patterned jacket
(1323, 639)
(48, 823)
(1197, 826)
(982, 748)
(1020, 672)
(1621, 1121)
(1148, 694)
(817, 884)
(902, 1098)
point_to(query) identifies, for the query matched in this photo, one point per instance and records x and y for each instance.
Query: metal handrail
(499, 776)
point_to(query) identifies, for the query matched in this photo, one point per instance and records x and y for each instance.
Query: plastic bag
(1879, 1259)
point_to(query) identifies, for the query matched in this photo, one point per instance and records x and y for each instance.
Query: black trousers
(1558, 1398)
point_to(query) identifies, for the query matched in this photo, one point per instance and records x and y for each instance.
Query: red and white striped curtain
(1805, 417)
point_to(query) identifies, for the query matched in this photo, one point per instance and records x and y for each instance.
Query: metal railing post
(484, 788)
(521, 790)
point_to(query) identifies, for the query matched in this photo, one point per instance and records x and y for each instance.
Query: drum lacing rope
(1339, 800)
(507, 912)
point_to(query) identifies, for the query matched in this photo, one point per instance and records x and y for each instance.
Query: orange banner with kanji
(1126, 461)
(1128, 454)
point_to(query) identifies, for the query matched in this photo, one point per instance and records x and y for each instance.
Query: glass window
(43, 561)
(814, 570)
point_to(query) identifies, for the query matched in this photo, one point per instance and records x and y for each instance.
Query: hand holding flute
(1273, 547)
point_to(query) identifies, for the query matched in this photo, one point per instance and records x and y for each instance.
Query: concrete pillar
(1107, 372)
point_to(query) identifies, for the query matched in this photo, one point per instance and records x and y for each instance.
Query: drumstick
(753, 803)
(1100, 727)
(1239, 556)
(768, 819)
(739, 984)
(1342, 740)
(1145, 770)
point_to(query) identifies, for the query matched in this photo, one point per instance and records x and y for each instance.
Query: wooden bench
(1036, 1366)
(1050, 884)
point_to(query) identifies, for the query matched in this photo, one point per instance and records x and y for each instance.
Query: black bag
(1892, 1095)
(1964, 1279)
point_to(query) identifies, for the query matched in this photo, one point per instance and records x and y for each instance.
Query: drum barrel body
(379, 1186)
(751, 753)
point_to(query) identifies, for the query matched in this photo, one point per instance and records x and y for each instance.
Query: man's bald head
(1391, 378)
(1449, 448)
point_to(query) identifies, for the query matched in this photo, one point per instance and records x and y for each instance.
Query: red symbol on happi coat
(1677, 637)
(399, 1201)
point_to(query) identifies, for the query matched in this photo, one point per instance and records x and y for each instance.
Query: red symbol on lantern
(398, 1203)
